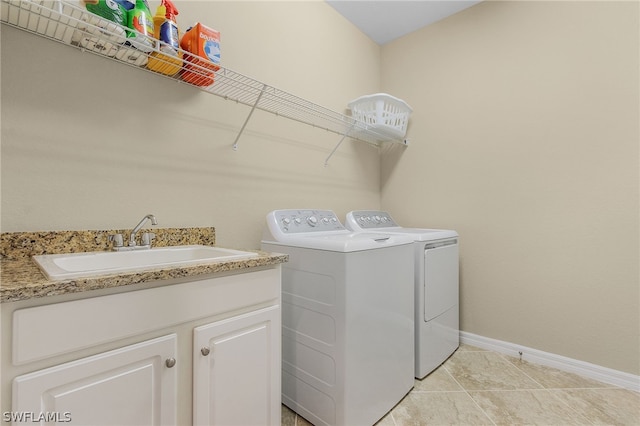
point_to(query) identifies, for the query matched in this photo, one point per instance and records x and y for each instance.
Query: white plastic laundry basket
(383, 113)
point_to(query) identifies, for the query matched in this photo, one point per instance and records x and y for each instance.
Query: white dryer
(437, 313)
(347, 317)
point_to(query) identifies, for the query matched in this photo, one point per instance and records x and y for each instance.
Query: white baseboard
(585, 369)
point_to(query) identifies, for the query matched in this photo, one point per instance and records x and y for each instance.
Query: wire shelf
(72, 25)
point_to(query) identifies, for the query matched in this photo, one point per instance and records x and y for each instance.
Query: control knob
(312, 221)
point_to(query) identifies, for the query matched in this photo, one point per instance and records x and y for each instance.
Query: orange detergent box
(203, 44)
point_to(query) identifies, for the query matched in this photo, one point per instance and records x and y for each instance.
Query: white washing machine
(437, 313)
(347, 317)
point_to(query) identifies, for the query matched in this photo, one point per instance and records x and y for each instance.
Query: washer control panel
(371, 219)
(296, 221)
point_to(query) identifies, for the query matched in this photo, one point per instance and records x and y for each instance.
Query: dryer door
(440, 277)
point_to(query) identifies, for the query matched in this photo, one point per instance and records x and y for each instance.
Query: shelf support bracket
(253, 108)
(326, 162)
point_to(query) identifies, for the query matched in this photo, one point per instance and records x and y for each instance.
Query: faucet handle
(147, 238)
(117, 240)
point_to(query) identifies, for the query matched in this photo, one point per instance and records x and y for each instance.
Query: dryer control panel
(298, 221)
(371, 219)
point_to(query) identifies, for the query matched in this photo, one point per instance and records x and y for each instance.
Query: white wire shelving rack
(61, 21)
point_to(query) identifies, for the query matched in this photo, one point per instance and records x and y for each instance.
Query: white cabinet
(236, 368)
(137, 358)
(134, 385)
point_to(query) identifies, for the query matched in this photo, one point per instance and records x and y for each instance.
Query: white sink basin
(74, 265)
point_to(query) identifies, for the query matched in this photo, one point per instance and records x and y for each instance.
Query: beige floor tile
(604, 406)
(438, 408)
(487, 371)
(502, 390)
(531, 407)
(438, 380)
(552, 378)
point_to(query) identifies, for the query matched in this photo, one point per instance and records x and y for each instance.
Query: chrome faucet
(147, 237)
(145, 240)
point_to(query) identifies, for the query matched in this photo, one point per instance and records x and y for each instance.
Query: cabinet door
(237, 370)
(133, 385)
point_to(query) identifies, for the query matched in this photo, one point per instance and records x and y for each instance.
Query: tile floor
(478, 387)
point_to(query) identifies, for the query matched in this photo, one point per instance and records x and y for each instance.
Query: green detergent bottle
(140, 19)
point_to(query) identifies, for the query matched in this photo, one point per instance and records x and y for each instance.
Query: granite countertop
(21, 278)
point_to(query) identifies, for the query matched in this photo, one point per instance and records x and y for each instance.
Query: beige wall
(525, 139)
(88, 143)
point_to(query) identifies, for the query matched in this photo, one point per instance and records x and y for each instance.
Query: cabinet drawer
(44, 331)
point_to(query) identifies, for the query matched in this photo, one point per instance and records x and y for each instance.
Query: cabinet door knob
(170, 362)
(205, 351)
